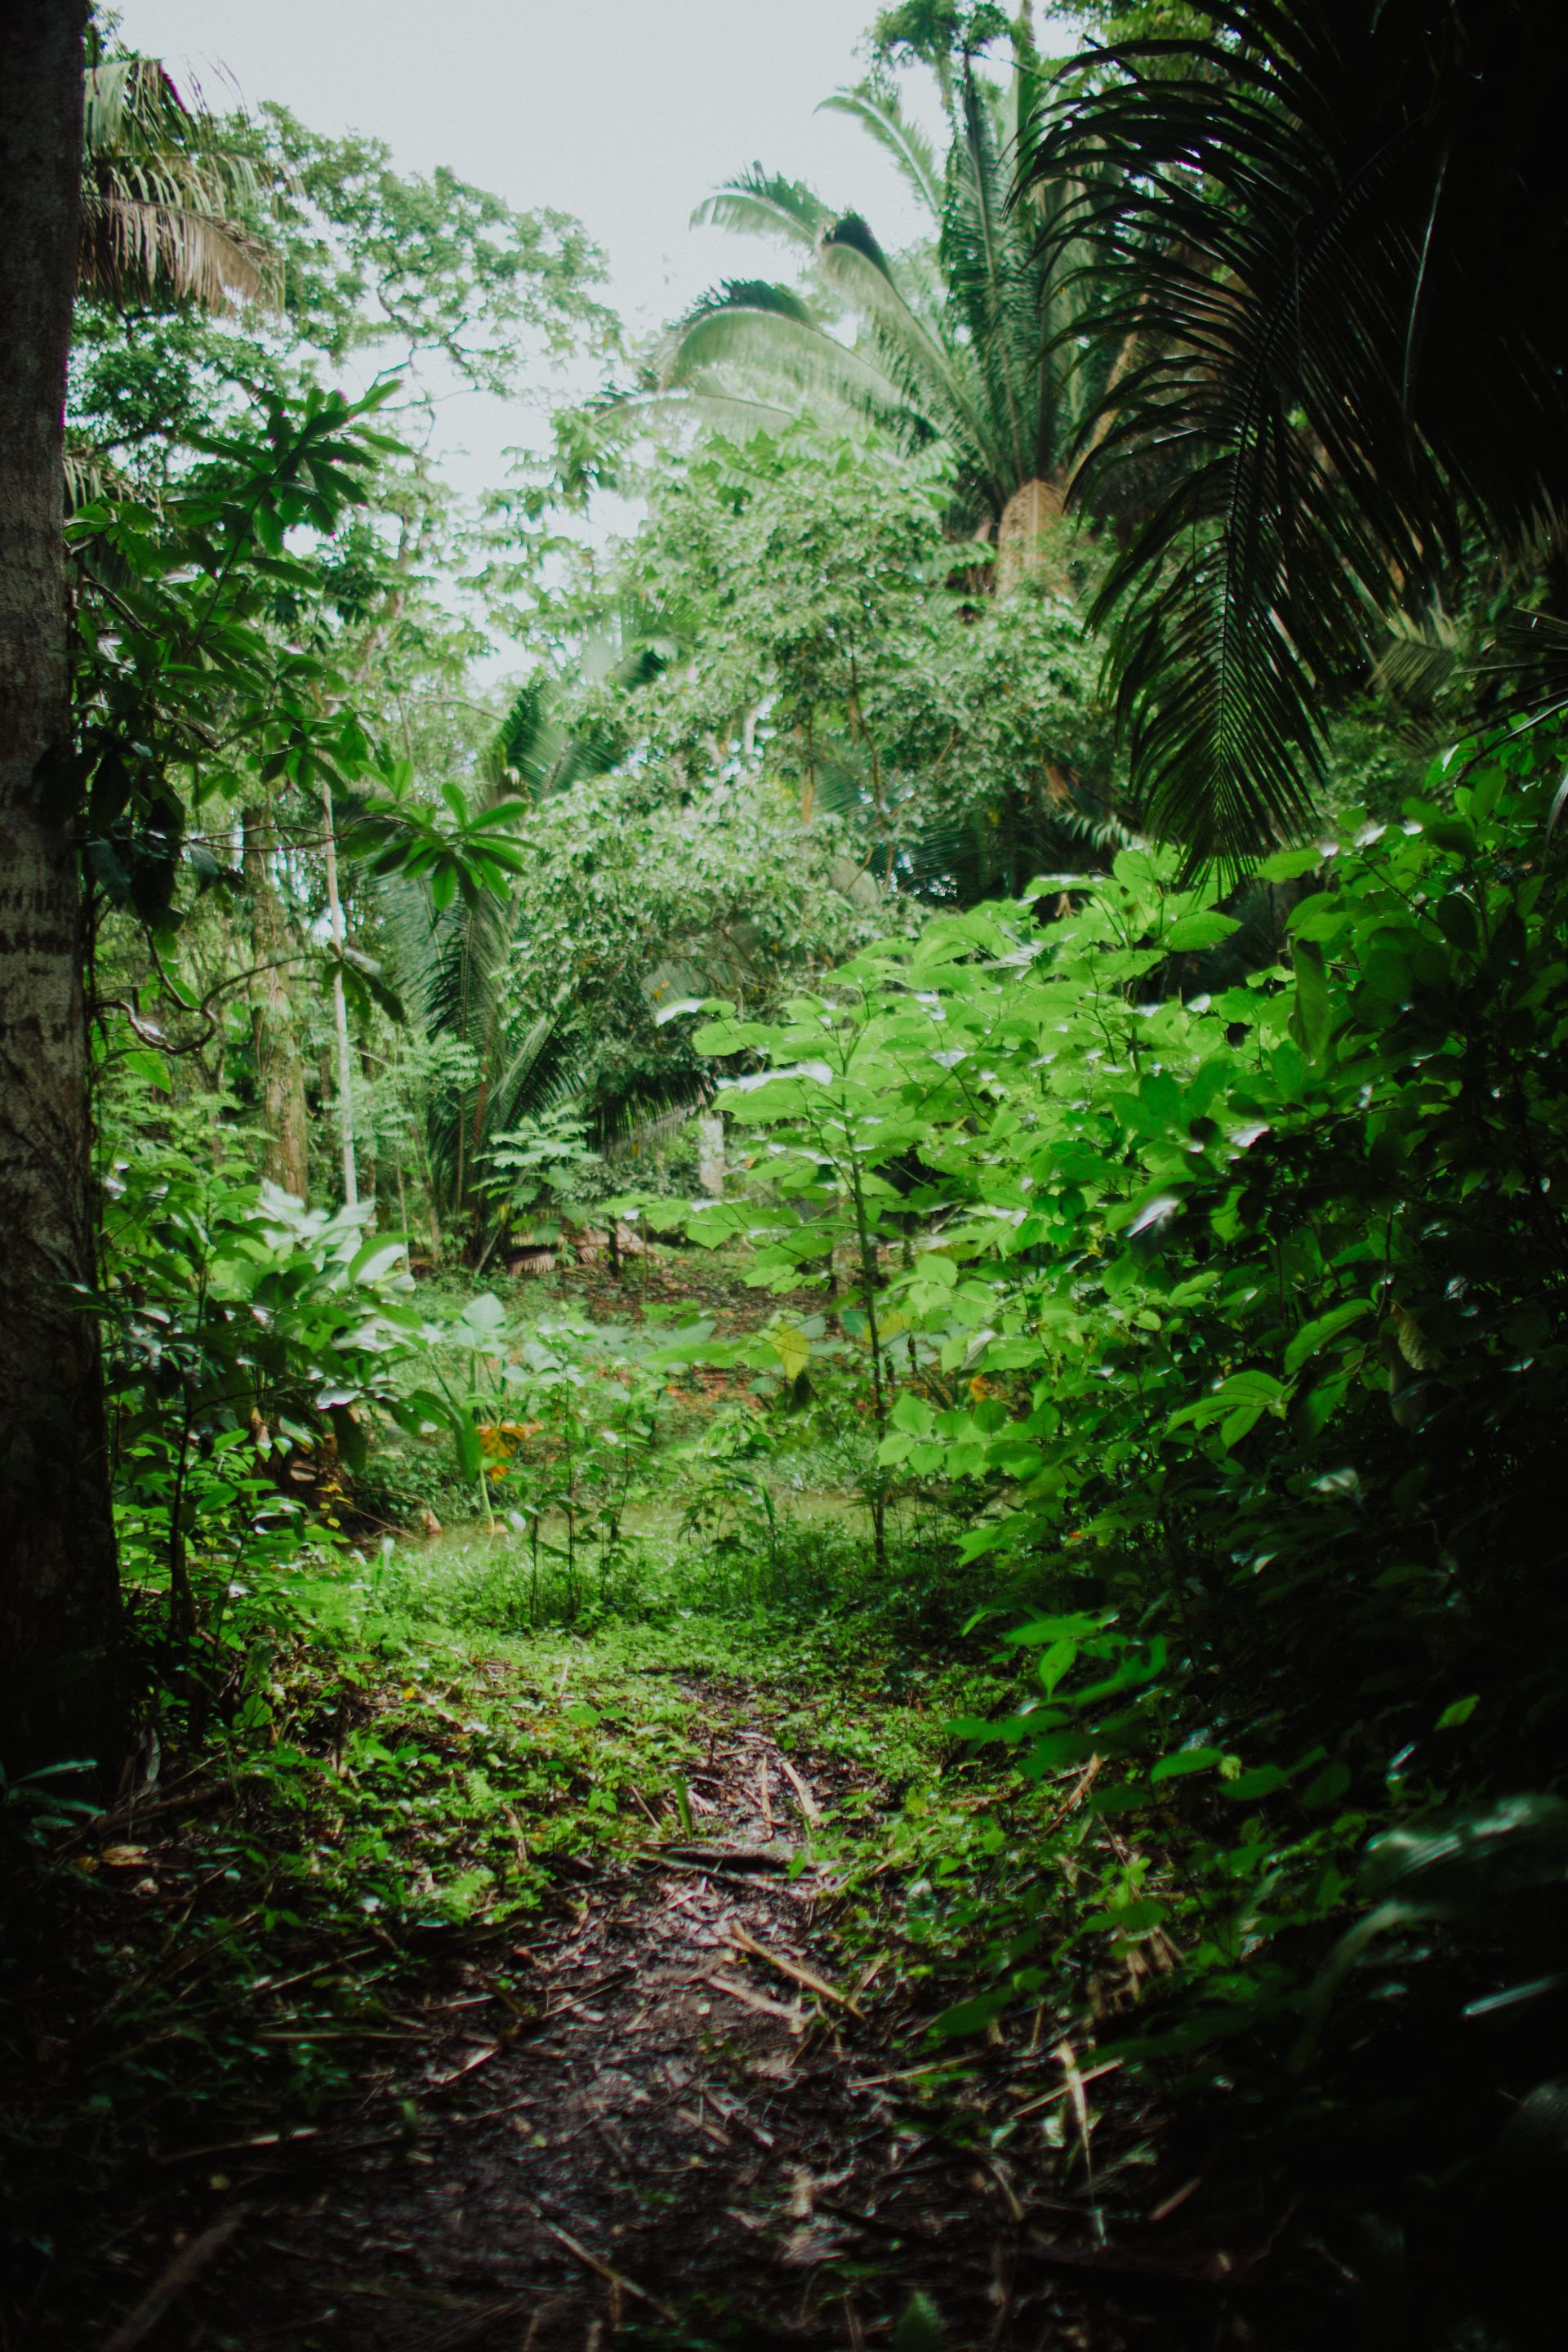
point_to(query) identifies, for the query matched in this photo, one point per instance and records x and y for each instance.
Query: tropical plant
(453, 939)
(172, 212)
(539, 1164)
(1239, 1309)
(239, 1324)
(963, 343)
(1316, 235)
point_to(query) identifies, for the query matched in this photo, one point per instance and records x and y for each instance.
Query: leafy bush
(1239, 1318)
(241, 1326)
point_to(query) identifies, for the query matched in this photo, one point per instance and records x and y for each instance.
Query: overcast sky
(625, 112)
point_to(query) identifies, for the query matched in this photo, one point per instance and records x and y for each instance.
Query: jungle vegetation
(1001, 960)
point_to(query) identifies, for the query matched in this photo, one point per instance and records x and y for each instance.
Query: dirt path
(671, 2124)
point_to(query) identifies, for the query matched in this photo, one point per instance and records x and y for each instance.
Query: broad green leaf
(1317, 1334)
(1186, 1760)
(1192, 932)
(1288, 864)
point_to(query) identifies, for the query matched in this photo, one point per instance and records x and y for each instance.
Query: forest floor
(685, 2101)
(520, 1993)
(686, 2129)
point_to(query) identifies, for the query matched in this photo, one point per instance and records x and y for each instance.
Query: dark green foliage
(1319, 234)
(1240, 1315)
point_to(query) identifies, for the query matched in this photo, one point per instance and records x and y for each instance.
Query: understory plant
(1237, 1302)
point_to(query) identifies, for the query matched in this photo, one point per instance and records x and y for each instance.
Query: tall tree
(274, 1021)
(59, 1681)
(965, 342)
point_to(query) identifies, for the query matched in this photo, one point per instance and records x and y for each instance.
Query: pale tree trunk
(275, 1036)
(341, 1019)
(61, 1681)
(1030, 540)
(711, 1155)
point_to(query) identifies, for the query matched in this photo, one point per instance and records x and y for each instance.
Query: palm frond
(747, 294)
(734, 347)
(722, 408)
(168, 211)
(1317, 237)
(763, 204)
(879, 114)
(934, 381)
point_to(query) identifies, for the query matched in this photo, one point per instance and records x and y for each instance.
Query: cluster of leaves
(1239, 1314)
(204, 662)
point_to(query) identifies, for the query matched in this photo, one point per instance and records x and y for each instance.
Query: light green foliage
(1245, 1321)
(240, 1326)
(820, 713)
(407, 267)
(542, 1160)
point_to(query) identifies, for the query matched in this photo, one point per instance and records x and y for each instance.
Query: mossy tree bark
(60, 1682)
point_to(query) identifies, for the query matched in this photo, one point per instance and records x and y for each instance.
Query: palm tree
(965, 342)
(1321, 267)
(451, 961)
(169, 213)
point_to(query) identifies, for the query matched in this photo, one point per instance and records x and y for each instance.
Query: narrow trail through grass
(679, 2097)
(671, 2121)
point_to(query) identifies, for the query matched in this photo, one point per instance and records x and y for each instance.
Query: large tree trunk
(275, 1036)
(60, 1667)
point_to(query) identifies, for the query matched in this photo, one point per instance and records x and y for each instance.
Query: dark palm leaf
(1318, 242)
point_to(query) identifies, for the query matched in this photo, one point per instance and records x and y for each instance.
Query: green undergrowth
(363, 1786)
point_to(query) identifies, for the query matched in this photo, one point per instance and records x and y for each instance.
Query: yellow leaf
(791, 1347)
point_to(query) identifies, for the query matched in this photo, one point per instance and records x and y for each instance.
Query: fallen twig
(801, 1894)
(263, 2141)
(166, 2290)
(1070, 2065)
(1190, 2270)
(463, 2331)
(913, 2073)
(730, 1857)
(758, 2001)
(460, 2073)
(1049, 2099)
(614, 2277)
(808, 1804)
(1079, 1791)
(794, 1969)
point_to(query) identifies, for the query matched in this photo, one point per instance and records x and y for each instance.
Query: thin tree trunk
(279, 1064)
(710, 1168)
(60, 1678)
(340, 1018)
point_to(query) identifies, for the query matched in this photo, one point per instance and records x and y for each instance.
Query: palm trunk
(280, 1066)
(61, 1683)
(1030, 541)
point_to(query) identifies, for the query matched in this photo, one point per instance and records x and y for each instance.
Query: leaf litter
(660, 2107)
